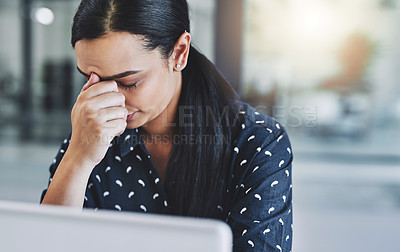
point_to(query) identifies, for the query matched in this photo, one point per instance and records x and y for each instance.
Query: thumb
(94, 78)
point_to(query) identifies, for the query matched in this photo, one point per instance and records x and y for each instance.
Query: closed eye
(127, 87)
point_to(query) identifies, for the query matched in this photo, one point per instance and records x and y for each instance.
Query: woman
(157, 129)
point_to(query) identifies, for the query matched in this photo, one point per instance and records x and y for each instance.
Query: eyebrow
(117, 76)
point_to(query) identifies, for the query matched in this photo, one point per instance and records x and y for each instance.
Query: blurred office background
(328, 70)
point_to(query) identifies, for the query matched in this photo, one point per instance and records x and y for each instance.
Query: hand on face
(98, 115)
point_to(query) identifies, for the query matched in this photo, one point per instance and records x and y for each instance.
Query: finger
(101, 88)
(94, 78)
(114, 113)
(116, 127)
(107, 100)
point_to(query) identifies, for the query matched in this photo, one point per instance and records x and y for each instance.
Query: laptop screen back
(31, 227)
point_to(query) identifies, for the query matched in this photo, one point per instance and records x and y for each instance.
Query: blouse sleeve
(261, 214)
(54, 165)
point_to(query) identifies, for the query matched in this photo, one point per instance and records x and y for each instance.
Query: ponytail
(197, 173)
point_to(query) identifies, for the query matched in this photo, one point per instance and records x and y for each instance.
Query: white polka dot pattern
(263, 208)
(119, 183)
(266, 231)
(141, 182)
(260, 211)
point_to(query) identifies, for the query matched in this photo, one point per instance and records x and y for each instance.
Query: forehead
(113, 53)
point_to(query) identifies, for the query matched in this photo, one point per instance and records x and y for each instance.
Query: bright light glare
(312, 21)
(44, 16)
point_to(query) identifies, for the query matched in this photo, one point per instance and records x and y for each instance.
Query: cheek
(156, 92)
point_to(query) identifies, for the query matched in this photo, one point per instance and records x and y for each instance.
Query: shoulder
(257, 131)
(262, 144)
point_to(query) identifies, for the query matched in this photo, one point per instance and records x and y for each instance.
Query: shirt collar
(128, 141)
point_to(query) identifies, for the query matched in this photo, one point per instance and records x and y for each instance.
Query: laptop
(32, 227)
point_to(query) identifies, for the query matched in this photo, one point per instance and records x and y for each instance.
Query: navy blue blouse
(261, 210)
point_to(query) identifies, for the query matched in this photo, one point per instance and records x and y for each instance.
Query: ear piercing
(178, 66)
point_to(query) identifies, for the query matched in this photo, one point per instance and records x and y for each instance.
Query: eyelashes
(127, 87)
(124, 86)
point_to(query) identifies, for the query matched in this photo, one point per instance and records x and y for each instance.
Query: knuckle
(80, 96)
(114, 85)
(97, 131)
(86, 106)
(91, 107)
(122, 111)
(121, 124)
(121, 97)
(93, 122)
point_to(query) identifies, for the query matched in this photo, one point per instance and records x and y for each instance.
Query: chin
(135, 123)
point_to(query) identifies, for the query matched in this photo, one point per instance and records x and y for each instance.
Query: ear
(181, 52)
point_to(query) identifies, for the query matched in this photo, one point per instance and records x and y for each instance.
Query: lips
(130, 116)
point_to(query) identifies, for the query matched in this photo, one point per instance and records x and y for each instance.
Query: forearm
(68, 184)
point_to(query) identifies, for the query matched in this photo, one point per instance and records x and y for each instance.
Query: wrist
(77, 162)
